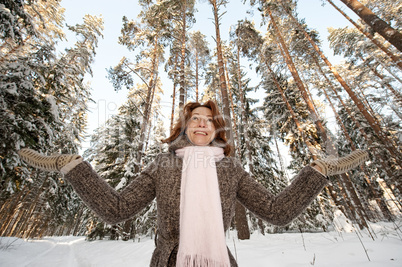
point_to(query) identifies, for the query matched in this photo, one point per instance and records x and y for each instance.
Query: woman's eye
(194, 118)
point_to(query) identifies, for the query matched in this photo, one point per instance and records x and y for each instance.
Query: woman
(196, 186)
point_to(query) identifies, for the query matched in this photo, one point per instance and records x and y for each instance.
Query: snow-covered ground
(348, 248)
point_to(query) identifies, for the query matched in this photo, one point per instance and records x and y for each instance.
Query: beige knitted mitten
(332, 166)
(47, 163)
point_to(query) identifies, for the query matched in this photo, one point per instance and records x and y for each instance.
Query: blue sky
(109, 52)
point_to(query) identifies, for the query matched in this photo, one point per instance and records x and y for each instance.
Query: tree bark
(309, 145)
(183, 57)
(235, 126)
(147, 108)
(378, 25)
(244, 118)
(174, 91)
(240, 215)
(373, 122)
(196, 75)
(396, 59)
(284, 50)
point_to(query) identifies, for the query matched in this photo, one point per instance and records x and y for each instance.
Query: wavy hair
(180, 126)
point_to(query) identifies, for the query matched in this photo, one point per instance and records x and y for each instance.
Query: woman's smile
(200, 129)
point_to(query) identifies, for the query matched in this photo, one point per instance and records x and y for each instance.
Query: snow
(351, 248)
(53, 106)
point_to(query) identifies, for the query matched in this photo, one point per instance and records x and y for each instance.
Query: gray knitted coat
(161, 180)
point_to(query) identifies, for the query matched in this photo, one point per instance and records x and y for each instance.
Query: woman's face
(200, 128)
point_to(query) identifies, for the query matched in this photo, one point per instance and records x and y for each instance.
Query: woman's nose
(202, 123)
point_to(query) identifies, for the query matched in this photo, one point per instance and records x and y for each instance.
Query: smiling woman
(196, 186)
(200, 129)
(200, 124)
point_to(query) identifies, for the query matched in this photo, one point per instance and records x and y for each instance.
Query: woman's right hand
(47, 163)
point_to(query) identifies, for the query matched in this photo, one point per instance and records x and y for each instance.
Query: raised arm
(294, 199)
(287, 205)
(112, 206)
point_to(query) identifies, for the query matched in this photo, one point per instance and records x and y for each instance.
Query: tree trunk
(240, 215)
(241, 222)
(369, 140)
(309, 145)
(349, 189)
(378, 25)
(9, 208)
(384, 209)
(147, 108)
(222, 79)
(174, 91)
(196, 75)
(183, 56)
(395, 59)
(352, 194)
(235, 126)
(338, 119)
(77, 220)
(244, 118)
(145, 121)
(283, 48)
(373, 122)
(278, 151)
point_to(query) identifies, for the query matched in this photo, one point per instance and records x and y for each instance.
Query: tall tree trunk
(338, 119)
(396, 59)
(174, 91)
(10, 208)
(278, 151)
(240, 215)
(244, 118)
(196, 75)
(373, 122)
(284, 50)
(147, 107)
(183, 56)
(375, 192)
(378, 25)
(349, 189)
(27, 220)
(144, 126)
(349, 206)
(222, 78)
(369, 140)
(235, 126)
(309, 145)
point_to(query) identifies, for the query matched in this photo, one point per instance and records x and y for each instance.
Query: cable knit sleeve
(287, 205)
(112, 206)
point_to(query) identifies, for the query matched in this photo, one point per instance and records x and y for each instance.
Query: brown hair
(180, 126)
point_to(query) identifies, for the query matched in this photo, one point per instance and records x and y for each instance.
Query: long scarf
(202, 236)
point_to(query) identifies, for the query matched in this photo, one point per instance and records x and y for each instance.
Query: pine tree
(200, 49)
(113, 154)
(44, 102)
(287, 116)
(16, 23)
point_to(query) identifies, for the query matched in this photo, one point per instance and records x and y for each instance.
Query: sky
(109, 52)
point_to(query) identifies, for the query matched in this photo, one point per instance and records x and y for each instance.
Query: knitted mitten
(332, 166)
(47, 163)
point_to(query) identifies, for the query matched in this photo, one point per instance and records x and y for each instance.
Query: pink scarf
(202, 235)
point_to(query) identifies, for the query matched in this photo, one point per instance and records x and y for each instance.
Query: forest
(45, 101)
